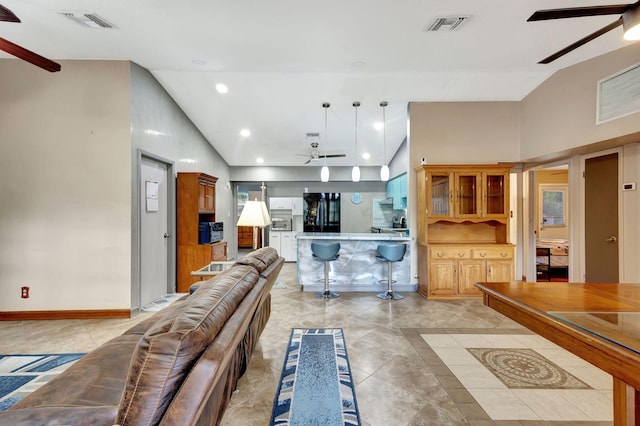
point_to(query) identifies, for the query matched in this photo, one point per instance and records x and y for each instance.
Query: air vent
(619, 95)
(313, 135)
(90, 20)
(447, 23)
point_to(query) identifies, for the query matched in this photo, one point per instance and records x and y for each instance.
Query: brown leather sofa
(178, 367)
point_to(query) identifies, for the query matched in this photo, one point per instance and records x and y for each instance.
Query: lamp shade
(254, 213)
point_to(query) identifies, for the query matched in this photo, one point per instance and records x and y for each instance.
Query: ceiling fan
(315, 154)
(18, 51)
(629, 19)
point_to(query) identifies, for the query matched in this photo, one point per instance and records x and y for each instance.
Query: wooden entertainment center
(196, 203)
(463, 229)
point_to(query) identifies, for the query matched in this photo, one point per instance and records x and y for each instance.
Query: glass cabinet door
(439, 188)
(468, 194)
(495, 190)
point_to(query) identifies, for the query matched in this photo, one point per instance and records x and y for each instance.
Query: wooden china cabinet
(463, 229)
(196, 202)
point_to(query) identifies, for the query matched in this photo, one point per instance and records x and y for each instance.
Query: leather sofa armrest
(60, 416)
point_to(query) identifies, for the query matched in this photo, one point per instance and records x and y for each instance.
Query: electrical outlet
(24, 292)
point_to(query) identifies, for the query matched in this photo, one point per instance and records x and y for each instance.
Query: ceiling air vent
(90, 20)
(447, 23)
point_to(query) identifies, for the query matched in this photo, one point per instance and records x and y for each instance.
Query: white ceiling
(281, 59)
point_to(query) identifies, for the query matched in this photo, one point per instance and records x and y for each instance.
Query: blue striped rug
(22, 374)
(316, 386)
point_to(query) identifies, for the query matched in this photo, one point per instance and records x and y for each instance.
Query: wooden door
(470, 272)
(495, 188)
(443, 277)
(601, 219)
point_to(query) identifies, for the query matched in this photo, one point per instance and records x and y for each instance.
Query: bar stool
(390, 253)
(326, 252)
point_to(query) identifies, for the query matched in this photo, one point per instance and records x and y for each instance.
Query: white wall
(65, 186)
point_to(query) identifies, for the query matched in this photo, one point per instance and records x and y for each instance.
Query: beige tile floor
(400, 379)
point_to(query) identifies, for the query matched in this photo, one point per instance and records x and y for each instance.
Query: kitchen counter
(356, 268)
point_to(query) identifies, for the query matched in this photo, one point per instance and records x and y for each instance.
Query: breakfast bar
(356, 268)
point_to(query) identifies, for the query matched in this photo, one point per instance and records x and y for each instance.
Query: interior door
(154, 230)
(601, 219)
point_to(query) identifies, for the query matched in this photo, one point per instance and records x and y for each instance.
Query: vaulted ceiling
(281, 59)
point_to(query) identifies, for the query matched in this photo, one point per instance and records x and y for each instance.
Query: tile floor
(401, 379)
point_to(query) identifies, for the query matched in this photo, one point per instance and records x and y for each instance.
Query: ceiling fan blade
(576, 12)
(582, 41)
(7, 16)
(308, 161)
(29, 56)
(334, 155)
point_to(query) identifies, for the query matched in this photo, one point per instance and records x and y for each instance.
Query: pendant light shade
(384, 170)
(384, 173)
(355, 172)
(324, 172)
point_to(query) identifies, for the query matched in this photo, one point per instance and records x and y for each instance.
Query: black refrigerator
(321, 212)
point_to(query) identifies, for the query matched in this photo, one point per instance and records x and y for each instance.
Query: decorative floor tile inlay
(525, 369)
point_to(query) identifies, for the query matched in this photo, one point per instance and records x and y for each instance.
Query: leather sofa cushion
(260, 259)
(167, 351)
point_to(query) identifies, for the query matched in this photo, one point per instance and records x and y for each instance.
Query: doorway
(247, 241)
(601, 219)
(552, 223)
(155, 253)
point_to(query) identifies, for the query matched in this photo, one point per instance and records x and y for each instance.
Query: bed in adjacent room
(552, 259)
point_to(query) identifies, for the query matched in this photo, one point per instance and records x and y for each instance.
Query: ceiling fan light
(631, 24)
(384, 173)
(355, 174)
(324, 174)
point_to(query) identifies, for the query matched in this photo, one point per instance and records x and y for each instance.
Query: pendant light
(384, 170)
(324, 173)
(355, 172)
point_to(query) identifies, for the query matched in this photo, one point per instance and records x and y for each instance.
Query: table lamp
(255, 214)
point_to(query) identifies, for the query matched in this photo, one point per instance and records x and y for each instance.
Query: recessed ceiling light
(366, 156)
(245, 133)
(378, 125)
(222, 88)
(259, 160)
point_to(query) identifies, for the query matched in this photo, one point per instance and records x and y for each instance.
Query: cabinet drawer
(450, 253)
(219, 251)
(503, 252)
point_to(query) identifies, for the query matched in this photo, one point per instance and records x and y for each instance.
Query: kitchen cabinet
(297, 206)
(281, 203)
(396, 189)
(454, 269)
(463, 228)
(285, 243)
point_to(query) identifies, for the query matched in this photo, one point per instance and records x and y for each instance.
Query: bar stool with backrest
(390, 253)
(326, 252)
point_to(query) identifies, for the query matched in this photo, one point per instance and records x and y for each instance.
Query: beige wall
(561, 113)
(65, 186)
(464, 132)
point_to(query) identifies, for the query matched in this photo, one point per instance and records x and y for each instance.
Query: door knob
(166, 235)
(612, 239)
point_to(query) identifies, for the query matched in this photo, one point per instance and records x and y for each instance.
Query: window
(553, 205)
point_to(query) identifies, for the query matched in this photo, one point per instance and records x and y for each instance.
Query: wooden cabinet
(453, 270)
(196, 202)
(245, 237)
(463, 228)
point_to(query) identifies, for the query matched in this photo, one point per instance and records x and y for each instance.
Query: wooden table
(537, 306)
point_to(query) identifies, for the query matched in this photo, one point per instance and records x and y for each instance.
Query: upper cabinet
(397, 190)
(206, 193)
(466, 193)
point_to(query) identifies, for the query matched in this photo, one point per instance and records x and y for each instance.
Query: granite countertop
(386, 236)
